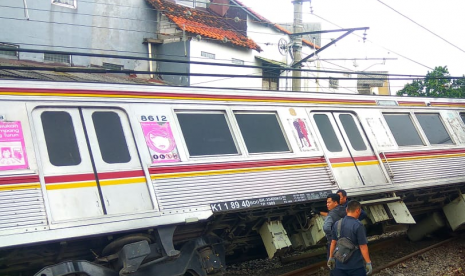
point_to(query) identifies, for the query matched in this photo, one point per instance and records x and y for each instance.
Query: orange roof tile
(204, 23)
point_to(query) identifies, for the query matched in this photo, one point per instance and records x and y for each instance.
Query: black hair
(343, 192)
(353, 206)
(334, 197)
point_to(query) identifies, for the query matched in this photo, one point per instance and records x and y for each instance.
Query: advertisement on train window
(160, 142)
(12, 148)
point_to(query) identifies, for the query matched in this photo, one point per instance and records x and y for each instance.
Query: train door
(90, 163)
(350, 154)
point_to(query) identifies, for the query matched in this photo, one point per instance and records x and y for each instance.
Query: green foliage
(436, 84)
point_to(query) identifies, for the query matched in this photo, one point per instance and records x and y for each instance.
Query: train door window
(110, 137)
(207, 133)
(262, 132)
(327, 132)
(352, 132)
(60, 138)
(403, 129)
(434, 129)
(462, 115)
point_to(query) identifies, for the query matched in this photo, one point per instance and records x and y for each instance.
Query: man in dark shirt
(335, 213)
(354, 230)
(343, 201)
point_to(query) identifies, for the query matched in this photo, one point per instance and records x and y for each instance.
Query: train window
(60, 138)
(110, 137)
(262, 132)
(327, 132)
(352, 132)
(207, 133)
(403, 129)
(463, 117)
(434, 129)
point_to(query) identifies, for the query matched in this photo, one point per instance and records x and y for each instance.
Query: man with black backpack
(349, 247)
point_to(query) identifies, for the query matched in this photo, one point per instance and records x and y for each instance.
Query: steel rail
(316, 267)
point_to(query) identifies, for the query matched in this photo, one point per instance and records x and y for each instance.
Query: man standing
(354, 230)
(335, 213)
(343, 201)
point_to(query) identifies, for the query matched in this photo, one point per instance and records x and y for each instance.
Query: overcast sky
(391, 35)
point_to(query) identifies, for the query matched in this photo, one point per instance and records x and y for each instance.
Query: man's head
(354, 208)
(332, 201)
(343, 195)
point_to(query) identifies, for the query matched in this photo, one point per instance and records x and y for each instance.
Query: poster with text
(12, 147)
(160, 142)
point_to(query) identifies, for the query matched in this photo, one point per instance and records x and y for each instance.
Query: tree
(436, 84)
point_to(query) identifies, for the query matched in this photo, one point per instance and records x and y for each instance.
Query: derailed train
(104, 179)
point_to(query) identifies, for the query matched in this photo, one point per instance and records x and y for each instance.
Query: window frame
(425, 138)
(232, 130)
(415, 123)
(8, 45)
(55, 61)
(74, 6)
(280, 123)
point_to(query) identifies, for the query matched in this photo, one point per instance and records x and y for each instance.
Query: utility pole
(297, 44)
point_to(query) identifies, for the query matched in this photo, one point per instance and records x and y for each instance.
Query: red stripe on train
(19, 179)
(236, 165)
(91, 176)
(422, 153)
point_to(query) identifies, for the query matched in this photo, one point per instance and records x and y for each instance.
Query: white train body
(87, 160)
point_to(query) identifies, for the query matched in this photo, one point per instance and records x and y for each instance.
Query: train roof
(136, 92)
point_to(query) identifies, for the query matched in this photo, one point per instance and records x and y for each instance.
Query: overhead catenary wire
(403, 56)
(200, 62)
(421, 26)
(144, 72)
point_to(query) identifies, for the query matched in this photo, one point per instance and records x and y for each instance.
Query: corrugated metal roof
(18, 74)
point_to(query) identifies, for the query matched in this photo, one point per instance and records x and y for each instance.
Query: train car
(103, 179)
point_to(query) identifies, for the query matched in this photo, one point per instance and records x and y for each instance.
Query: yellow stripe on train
(19, 186)
(231, 171)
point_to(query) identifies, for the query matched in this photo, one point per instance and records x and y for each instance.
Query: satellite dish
(284, 48)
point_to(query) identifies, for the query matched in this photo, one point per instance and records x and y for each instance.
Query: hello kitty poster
(12, 148)
(160, 142)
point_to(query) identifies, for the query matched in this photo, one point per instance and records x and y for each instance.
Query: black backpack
(344, 246)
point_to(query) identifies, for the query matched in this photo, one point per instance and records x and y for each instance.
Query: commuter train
(103, 179)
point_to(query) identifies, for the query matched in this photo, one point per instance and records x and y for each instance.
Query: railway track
(317, 267)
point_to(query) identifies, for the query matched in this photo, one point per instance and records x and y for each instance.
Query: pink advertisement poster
(12, 148)
(160, 142)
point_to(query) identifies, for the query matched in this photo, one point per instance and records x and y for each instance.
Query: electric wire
(403, 56)
(421, 26)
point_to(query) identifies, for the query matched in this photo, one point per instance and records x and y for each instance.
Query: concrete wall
(175, 51)
(101, 26)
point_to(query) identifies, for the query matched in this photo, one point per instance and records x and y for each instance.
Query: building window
(403, 129)
(9, 53)
(112, 66)
(262, 132)
(434, 129)
(207, 55)
(110, 137)
(237, 61)
(57, 58)
(207, 133)
(333, 83)
(60, 138)
(271, 77)
(65, 3)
